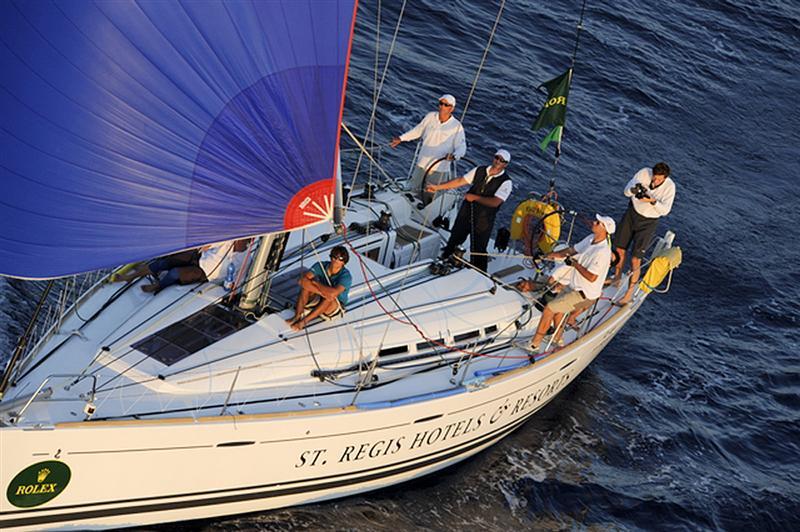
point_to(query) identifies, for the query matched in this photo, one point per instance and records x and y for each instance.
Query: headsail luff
(131, 130)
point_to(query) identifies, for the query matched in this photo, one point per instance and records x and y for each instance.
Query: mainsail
(133, 129)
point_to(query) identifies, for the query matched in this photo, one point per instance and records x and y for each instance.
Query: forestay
(131, 130)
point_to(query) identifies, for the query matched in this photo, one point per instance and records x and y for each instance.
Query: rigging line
(131, 350)
(23, 340)
(483, 59)
(193, 291)
(105, 305)
(408, 320)
(371, 123)
(305, 328)
(348, 330)
(375, 78)
(265, 345)
(579, 27)
(242, 268)
(365, 151)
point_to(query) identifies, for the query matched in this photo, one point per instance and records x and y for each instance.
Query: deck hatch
(193, 333)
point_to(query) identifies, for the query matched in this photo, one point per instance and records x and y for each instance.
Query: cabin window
(490, 329)
(393, 350)
(438, 342)
(466, 336)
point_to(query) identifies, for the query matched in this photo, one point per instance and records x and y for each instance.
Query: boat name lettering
(313, 456)
(525, 403)
(424, 438)
(371, 449)
(451, 430)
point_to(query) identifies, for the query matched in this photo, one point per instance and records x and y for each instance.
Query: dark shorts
(635, 227)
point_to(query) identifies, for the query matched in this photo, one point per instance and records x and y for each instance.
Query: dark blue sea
(690, 418)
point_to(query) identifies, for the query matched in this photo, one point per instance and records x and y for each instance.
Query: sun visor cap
(504, 154)
(608, 223)
(449, 98)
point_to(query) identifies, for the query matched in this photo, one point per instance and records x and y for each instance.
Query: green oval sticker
(38, 484)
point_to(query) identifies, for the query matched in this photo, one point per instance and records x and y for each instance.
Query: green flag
(554, 135)
(554, 112)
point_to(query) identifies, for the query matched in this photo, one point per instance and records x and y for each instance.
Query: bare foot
(624, 300)
(293, 319)
(298, 325)
(149, 288)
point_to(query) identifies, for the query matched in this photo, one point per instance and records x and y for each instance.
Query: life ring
(545, 219)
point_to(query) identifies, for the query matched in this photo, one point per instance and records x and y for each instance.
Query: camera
(639, 191)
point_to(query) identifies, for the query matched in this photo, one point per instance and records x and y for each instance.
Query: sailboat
(137, 130)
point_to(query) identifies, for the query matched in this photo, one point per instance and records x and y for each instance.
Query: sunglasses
(445, 104)
(498, 158)
(337, 257)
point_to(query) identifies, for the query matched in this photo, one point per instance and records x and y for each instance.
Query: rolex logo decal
(38, 484)
(42, 475)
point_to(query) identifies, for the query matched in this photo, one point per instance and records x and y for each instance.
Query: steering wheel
(430, 167)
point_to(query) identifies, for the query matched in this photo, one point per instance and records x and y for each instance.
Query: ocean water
(690, 418)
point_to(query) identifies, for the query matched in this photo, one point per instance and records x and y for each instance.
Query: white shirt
(596, 258)
(505, 189)
(214, 260)
(438, 139)
(664, 194)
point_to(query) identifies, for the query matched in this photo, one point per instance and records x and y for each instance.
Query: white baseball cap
(504, 154)
(608, 223)
(449, 98)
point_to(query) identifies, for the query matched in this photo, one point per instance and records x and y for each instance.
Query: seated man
(324, 290)
(214, 259)
(182, 267)
(588, 261)
(192, 266)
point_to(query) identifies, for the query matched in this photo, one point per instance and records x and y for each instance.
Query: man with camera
(652, 193)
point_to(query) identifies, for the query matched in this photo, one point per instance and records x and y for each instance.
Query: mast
(266, 261)
(338, 197)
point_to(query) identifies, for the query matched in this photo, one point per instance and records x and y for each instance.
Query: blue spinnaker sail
(130, 130)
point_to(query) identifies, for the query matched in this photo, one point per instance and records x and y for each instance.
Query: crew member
(442, 136)
(324, 290)
(491, 186)
(208, 263)
(589, 261)
(651, 193)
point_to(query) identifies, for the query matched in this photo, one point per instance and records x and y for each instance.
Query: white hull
(142, 472)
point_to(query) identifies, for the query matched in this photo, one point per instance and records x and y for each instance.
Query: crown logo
(42, 475)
